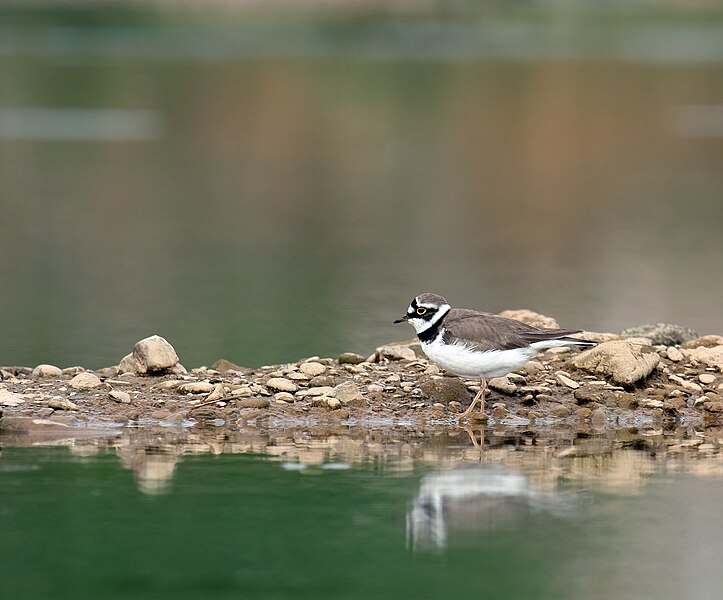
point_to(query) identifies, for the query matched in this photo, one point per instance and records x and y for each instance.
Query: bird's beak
(404, 318)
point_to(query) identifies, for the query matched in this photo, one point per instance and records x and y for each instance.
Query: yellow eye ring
(421, 310)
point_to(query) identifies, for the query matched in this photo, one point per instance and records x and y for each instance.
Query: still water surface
(363, 514)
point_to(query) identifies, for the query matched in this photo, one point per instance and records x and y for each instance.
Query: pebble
(122, 397)
(350, 358)
(153, 355)
(502, 385)
(84, 381)
(312, 368)
(8, 398)
(322, 381)
(284, 397)
(561, 411)
(348, 393)
(323, 390)
(196, 387)
(674, 354)
(565, 380)
(62, 404)
(46, 371)
(333, 403)
(281, 384)
(706, 378)
(499, 410)
(299, 377)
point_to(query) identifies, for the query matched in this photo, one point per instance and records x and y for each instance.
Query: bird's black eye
(421, 310)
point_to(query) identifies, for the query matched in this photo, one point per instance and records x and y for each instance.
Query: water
(263, 190)
(362, 513)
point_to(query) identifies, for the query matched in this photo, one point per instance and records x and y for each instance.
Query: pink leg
(479, 397)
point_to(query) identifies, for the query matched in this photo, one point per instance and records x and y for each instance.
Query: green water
(74, 523)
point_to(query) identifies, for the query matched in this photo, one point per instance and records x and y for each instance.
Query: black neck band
(430, 333)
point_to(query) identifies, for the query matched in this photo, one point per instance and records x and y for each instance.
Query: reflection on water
(278, 513)
(473, 499)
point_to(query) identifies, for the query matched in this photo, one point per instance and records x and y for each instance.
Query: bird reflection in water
(473, 497)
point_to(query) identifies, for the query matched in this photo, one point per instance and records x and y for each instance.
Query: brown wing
(492, 332)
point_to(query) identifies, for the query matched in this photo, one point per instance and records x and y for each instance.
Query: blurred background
(264, 181)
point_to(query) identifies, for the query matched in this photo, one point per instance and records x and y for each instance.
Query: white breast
(462, 360)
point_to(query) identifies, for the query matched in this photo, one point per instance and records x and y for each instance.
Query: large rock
(662, 334)
(710, 357)
(624, 362)
(152, 355)
(531, 318)
(47, 371)
(84, 381)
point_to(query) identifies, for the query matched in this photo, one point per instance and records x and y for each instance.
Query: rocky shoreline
(653, 376)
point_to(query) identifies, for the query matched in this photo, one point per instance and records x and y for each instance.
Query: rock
(706, 341)
(583, 413)
(253, 403)
(224, 366)
(196, 387)
(502, 385)
(348, 393)
(47, 371)
(661, 334)
(8, 398)
(322, 381)
(312, 368)
(625, 400)
(84, 381)
(561, 411)
(710, 357)
(281, 384)
(622, 361)
(333, 403)
(445, 390)
(122, 397)
(350, 358)
(394, 352)
(218, 393)
(531, 318)
(674, 354)
(566, 381)
(284, 397)
(107, 372)
(152, 355)
(706, 378)
(583, 396)
(62, 404)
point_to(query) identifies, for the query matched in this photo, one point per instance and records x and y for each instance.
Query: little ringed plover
(475, 344)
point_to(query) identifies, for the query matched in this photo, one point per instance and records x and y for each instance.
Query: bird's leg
(479, 397)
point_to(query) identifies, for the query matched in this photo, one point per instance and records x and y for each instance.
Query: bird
(477, 344)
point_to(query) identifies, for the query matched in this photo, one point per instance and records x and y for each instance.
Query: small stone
(322, 390)
(8, 398)
(674, 354)
(223, 366)
(333, 403)
(312, 368)
(561, 411)
(348, 393)
(545, 398)
(583, 413)
(444, 390)
(499, 411)
(322, 381)
(674, 404)
(281, 384)
(502, 385)
(533, 367)
(62, 404)
(647, 403)
(598, 416)
(196, 387)
(625, 400)
(284, 397)
(394, 352)
(47, 372)
(706, 341)
(566, 381)
(84, 381)
(253, 403)
(706, 378)
(122, 397)
(218, 393)
(350, 358)
(299, 377)
(44, 413)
